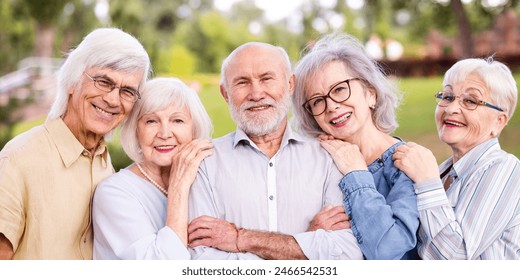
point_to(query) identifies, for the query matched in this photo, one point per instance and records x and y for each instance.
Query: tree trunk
(44, 40)
(466, 42)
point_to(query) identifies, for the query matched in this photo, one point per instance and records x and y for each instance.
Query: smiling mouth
(341, 119)
(103, 111)
(165, 147)
(259, 108)
(454, 123)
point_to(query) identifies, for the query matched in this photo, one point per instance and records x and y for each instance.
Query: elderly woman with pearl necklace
(141, 212)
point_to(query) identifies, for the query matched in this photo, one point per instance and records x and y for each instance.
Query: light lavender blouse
(129, 216)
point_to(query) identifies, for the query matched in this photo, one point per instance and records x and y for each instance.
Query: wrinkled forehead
(469, 82)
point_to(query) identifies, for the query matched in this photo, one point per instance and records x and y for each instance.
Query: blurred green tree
(16, 36)
(45, 15)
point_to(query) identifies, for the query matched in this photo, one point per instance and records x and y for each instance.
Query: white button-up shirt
(242, 185)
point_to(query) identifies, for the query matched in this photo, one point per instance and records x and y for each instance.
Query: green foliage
(46, 11)
(212, 37)
(16, 34)
(177, 61)
(9, 118)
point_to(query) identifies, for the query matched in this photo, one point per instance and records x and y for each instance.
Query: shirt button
(85, 153)
(271, 197)
(271, 164)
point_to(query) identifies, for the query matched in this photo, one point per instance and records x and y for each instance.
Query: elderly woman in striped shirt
(469, 206)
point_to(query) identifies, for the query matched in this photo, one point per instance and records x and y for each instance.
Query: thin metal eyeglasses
(128, 94)
(339, 92)
(467, 101)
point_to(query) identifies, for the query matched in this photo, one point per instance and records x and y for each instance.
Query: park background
(189, 39)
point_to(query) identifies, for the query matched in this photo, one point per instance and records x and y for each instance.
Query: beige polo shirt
(47, 180)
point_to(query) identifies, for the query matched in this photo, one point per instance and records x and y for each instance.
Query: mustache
(249, 104)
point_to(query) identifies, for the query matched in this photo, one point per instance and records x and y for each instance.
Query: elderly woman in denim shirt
(344, 99)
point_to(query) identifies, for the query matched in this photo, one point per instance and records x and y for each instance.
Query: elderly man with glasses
(49, 173)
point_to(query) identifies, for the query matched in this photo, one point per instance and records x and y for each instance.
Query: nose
(257, 92)
(112, 98)
(331, 104)
(454, 106)
(164, 131)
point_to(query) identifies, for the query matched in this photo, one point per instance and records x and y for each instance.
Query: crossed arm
(225, 236)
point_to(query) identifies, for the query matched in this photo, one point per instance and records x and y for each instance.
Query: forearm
(6, 249)
(386, 225)
(177, 213)
(269, 246)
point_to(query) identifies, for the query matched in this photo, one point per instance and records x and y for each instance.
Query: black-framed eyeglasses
(467, 101)
(126, 93)
(339, 92)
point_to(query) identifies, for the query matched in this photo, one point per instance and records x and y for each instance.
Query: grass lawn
(415, 117)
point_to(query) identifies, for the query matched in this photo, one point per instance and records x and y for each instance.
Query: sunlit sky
(279, 9)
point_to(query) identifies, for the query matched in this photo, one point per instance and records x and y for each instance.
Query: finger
(199, 234)
(341, 225)
(199, 242)
(335, 143)
(327, 146)
(199, 222)
(332, 211)
(338, 209)
(411, 144)
(342, 217)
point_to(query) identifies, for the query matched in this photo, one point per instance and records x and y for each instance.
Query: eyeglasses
(340, 92)
(126, 93)
(467, 101)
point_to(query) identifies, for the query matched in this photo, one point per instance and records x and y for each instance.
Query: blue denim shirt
(383, 207)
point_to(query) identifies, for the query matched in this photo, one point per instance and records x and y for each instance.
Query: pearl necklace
(161, 188)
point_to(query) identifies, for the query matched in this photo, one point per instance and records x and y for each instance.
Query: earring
(373, 106)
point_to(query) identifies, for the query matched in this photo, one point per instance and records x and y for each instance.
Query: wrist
(240, 240)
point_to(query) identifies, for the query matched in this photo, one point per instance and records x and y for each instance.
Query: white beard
(261, 123)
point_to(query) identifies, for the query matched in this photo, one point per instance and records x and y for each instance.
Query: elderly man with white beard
(266, 191)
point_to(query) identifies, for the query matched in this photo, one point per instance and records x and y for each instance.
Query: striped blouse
(478, 217)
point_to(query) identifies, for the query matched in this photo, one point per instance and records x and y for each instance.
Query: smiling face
(464, 129)
(257, 90)
(346, 120)
(92, 113)
(160, 133)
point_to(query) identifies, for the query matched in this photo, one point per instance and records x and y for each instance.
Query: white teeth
(103, 111)
(258, 108)
(164, 147)
(342, 119)
(454, 123)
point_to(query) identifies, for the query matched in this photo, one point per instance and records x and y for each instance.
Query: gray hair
(232, 55)
(497, 76)
(158, 94)
(348, 50)
(104, 48)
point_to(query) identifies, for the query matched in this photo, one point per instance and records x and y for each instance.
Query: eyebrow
(467, 89)
(104, 76)
(330, 88)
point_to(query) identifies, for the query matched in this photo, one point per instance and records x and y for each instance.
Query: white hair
(104, 48)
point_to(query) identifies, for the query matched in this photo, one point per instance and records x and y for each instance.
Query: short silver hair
(349, 51)
(233, 54)
(104, 48)
(158, 94)
(496, 75)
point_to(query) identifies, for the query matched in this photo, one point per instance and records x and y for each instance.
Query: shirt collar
(288, 136)
(470, 159)
(69, 148)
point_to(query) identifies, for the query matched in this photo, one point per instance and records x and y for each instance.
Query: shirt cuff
(355, 180)
(430, 194)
